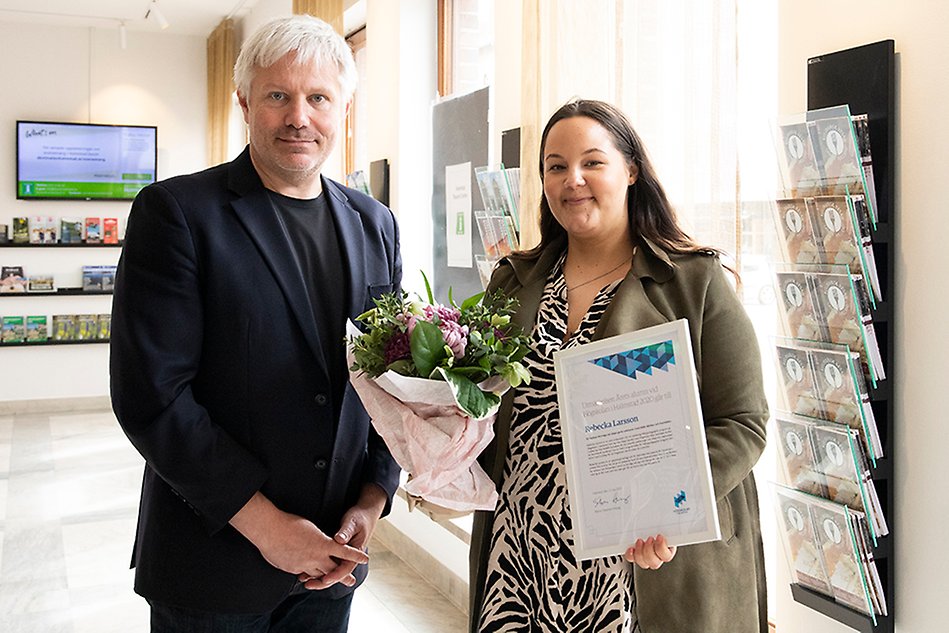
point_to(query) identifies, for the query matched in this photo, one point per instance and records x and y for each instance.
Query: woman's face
(586, 179)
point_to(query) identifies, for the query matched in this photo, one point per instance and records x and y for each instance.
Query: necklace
(600, 276)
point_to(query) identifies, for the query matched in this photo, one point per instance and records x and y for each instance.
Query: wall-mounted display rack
(863, 80)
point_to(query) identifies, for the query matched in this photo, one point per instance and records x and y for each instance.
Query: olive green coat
(712, 587)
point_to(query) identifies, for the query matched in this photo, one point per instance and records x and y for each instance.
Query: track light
(153, 10)
(122, 35)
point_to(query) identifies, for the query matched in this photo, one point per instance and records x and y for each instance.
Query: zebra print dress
(534, 582)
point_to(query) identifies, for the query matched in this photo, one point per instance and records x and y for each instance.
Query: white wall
(811, 27)
(81, 74)
(400, 85)
(506, 92)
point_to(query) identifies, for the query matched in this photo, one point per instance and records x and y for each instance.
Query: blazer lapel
(352, 245)
(256, 212)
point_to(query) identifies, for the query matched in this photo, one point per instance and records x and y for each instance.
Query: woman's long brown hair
(650, 213)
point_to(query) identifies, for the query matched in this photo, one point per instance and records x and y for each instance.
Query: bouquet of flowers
(431, 377)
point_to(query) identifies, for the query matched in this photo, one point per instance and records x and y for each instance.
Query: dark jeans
(302, 611)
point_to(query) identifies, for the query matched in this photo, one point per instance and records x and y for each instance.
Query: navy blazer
(218, 379)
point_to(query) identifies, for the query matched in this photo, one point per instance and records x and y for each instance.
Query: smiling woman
(612, 259)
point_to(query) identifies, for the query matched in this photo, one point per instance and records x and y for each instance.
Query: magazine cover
(836, 388)
(105, 327)
(836, 461)
(841, 560)
(108, 277)
(110, 230)
(800, 244)
(36, 331)
(37, 229)
(65, 327)
(800, 541)
(838, 236)
(93, 230)
(12, 279)
(803, 170)
(88, 327)
(21, 231)
(91, 278)
(797, 455)
(70, 230)
(798, 309)
(13, 329)
(834, 294)
(837, 153)
(796, 386)
(40, 283)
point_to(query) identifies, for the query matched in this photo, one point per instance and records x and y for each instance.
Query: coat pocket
(726, 521)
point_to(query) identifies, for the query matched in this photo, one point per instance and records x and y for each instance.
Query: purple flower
(456, 337)
(397, 348)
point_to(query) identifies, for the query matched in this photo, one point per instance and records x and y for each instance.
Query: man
(263, 478)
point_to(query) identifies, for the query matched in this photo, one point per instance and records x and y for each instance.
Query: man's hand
(355, 530)
(295, 545)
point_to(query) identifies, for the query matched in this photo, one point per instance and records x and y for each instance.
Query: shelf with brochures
(835, 285)
(46, 343)
(499, 222)
(61, 245)
(60, 292)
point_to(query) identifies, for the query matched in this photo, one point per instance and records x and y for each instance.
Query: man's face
(294, 112)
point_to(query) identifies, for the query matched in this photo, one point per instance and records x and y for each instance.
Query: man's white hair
(310, 38)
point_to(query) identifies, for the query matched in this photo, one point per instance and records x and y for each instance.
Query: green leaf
(428, 347)
(471, 301)
(428, 288)
(474, 402)
(404, 367)
(475, 374)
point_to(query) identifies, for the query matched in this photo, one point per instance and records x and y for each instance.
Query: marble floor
(69, 488)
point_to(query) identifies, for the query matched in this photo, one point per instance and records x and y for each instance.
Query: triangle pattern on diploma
(639, 361)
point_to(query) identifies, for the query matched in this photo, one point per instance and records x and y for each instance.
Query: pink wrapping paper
(431, 439)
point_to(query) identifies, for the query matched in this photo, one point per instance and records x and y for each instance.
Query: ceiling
(185, 17)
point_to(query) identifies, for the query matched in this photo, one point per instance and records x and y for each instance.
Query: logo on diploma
(639, 361)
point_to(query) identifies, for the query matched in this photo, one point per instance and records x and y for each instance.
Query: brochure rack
(862, 78)
(499, 222)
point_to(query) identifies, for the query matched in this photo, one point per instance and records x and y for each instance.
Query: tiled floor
(69, 488)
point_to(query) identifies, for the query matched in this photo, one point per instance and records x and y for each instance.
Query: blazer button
(320, 464)
(321, 399)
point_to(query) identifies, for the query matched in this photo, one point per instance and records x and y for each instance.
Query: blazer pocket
(374, 292)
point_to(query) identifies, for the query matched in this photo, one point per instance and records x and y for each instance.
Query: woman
(612, 259)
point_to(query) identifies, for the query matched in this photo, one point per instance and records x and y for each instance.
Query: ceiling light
(153, 10)
(122, 35)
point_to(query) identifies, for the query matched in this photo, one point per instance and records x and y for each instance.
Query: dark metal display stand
(864, 79)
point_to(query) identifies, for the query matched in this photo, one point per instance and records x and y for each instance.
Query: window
(465, 45)
(355, 151)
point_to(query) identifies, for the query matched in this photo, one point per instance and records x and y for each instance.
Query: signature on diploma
(610, 502)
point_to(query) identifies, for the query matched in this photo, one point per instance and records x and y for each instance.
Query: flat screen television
(84, 161)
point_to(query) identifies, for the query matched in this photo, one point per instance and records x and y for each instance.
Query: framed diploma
(634, 441)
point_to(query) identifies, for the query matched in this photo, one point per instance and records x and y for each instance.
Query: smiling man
(264, 479)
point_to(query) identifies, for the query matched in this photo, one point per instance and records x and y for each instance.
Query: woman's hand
(651, 553)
